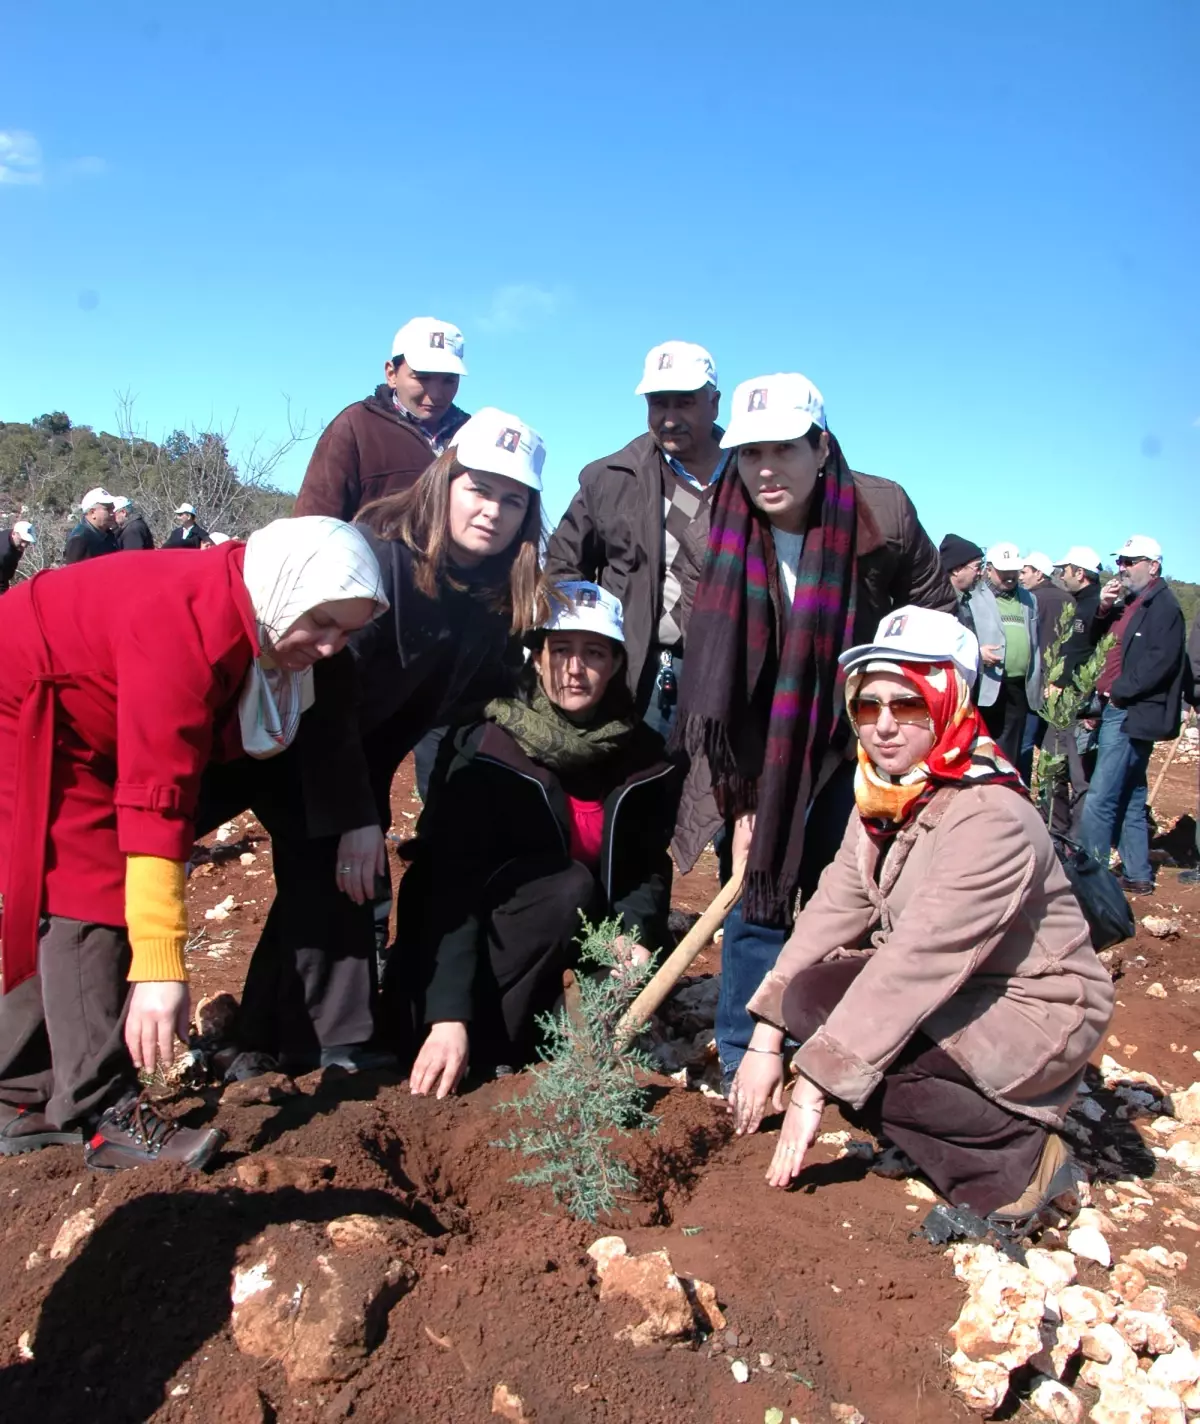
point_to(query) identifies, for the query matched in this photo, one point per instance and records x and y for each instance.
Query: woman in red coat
(119, 680)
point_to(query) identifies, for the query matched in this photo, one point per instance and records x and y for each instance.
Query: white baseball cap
(430, 345)
(218, 538)
(96, 496)
(918, 635)
(186, 509)
(677, 366)
(1035, 559)
(501, 443)
(1140, 546)
(1005, 558)
(121, 501)
(1082, 556)
(586, 608)
(780, 407)
(25, 530)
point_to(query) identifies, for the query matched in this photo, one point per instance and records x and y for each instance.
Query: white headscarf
(292, 566)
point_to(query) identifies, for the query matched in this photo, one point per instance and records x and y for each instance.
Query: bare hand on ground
(758, 1082)
(992, 654)
(629, 955)
(158, 1012)
(361, 857)
(801, 1123)
(441, 1062)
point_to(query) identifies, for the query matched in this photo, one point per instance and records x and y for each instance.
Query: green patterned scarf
(548, 736)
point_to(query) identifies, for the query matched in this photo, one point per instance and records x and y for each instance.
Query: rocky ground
(357, 1253)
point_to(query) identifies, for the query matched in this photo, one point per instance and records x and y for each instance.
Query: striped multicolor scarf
(761, 689)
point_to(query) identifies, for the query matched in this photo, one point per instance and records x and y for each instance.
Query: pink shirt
(587, 830)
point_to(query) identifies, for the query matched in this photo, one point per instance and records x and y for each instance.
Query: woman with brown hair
(459, 555)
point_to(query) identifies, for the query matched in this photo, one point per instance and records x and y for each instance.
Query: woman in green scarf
(559, 803)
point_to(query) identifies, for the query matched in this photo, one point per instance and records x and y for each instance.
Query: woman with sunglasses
(940, 983)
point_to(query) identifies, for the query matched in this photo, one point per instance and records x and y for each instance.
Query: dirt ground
(828, 1296)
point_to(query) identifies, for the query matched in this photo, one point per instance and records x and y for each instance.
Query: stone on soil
(1086, 1241)
(271, 1174)
(1053, 1401)
(1055, 1269)
(215, 1017)
(1002, 1319)
(1083, 1306)
(75, 1229)
(265, 1090)
(669, 1310)
(1186, 1104)
(982, 1384)
(508, 1404)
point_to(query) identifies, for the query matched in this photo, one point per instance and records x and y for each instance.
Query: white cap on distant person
(918, 635)
(677, 366)
(586, 608)
(1081, 556)
(1005, 558)
(25, 530)
(121, 501)
(96, 496)
(1035, 559)
(186, 509)
(1140, 546)
(773, 408)
(502, 444)
(430, 345)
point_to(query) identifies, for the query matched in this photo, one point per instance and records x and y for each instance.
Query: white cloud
(20, 157)
(516, 306)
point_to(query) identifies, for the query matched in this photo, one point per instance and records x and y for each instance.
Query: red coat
(119, 681)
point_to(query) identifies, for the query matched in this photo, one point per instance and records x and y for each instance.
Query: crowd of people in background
(731, 637)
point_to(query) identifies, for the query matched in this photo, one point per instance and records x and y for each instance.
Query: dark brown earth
(825, 1282)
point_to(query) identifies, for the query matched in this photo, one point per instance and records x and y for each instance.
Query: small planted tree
(585, 1092)
(1061, 706)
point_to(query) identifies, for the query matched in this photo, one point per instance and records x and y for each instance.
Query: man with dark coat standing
(93, 535)
(638, 525)
(962, 563)
(13, 543)
(1143, 684)
(1036, 577)
(132, 530)
(1079, 569)
(188, 532)
(1192, 877)
(380, 445)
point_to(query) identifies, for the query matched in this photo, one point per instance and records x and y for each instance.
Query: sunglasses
(1124, 563)
(908, 711)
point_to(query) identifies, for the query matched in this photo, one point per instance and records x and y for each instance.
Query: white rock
(919, 1191)
(1087, 1242)
(247, 857)
(1147, 1331)
(1161, 926)
(1002, 1318)
(1135, 1401)
(24, 1347)
(1053, 1401)
(75, 1229)
(1094, 1217)
(1105, 1345)
(1156, 991)
(1157, 1260)
(1185, 1155)
(982, 1383)
(221, 911)
(1083, 1306)
(973, 1262)
(1178, 1370)
(740, 1370)
(603, 1251)
(1186, 1105)
(1055, 1269)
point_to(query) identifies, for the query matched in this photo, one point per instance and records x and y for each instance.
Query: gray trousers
(1069, 796)
(62, 1044)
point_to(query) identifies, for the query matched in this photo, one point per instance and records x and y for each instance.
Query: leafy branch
(1062, 705)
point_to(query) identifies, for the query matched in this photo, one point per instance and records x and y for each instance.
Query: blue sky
(975, 227)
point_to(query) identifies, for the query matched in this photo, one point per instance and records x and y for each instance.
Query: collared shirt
(438, 438)
(691, 479)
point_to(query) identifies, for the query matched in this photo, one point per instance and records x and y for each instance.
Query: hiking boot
(1052, 1194)
(1189, 877)
(135, 1132)
(26, 1129)
(1135, 887)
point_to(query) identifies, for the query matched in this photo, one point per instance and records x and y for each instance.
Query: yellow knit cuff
(156, 913)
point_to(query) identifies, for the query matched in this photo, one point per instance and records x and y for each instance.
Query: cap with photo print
(502, 444)
(586, 608)
(677, 366)
(427, 344)
(1140, 546)
(1081, 556)
(1005, 558)
(96, 496)
(773, 408)
(26, 531)
(918, 635)
(1035, 559)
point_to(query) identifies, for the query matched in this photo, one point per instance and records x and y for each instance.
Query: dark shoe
(1189, 877)
(22, 1130)
(1136, 887)
(357, 1058)
(1053, 1193)
(135, 1132)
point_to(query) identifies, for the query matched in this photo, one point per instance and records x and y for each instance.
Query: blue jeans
(1114, 813)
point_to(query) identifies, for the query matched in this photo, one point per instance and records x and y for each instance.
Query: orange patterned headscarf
(962, 751)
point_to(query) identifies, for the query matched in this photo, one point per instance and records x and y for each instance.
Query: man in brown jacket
(382, 444)
(639, 524)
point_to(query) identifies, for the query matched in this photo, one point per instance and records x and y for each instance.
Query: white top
(788, 548)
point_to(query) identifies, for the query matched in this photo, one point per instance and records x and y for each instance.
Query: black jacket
(189, 538)
(1081, 644)
(87, 542)
(490, 804)
(425, 660)
(1050, 600)
(10, 557)
(135, 534)
(1154, 670)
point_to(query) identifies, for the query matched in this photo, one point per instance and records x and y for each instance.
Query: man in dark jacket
(639, 524)
(1142, 684)
(962, 563)
(13, 543)
(380, 445)
(1036, 577)
(188, 533)
(1192, 877)
(93, 535)
(132, 530)
(1079, 569)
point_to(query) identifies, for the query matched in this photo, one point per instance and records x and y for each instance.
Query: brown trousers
(62, 1045)
(975, 1152)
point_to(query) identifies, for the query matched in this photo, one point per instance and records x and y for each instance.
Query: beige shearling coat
(973, 935)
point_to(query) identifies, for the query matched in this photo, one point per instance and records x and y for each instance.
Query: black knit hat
(955, 551)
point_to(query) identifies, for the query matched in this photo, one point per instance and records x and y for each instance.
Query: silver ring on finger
(343, 870)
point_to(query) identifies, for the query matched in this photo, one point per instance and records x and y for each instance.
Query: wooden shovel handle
(677, 963)
(1166, 766)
